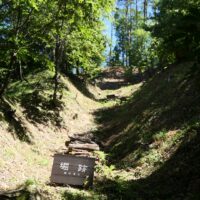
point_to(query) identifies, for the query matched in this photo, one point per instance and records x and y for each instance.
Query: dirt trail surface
(151, 139)
(22, 161)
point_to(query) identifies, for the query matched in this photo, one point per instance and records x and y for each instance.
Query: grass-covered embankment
(155, 138)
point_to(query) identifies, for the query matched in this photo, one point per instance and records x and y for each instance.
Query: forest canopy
(58, 35)
(152, 33)
(63, 35)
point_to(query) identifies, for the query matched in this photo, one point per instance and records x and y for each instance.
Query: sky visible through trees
(62, 35)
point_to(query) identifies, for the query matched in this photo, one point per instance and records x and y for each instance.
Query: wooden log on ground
(88, 154)
(78, 150)
(84, 138)
(87, 146)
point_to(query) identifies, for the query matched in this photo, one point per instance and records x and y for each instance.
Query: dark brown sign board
(72, 170)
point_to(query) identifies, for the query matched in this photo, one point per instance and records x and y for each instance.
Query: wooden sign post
(72, 170)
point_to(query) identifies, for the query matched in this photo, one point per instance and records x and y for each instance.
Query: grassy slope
(35, 131)
(155, 137)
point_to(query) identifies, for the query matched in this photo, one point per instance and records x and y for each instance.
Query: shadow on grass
(41, 109)
(81, 85)
(177, 179)
(112, 85)
(15, 124)
(37, 100)
(35, 97)
(160, 105)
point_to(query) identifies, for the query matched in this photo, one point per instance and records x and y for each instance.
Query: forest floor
(34, 132)
(148, 133)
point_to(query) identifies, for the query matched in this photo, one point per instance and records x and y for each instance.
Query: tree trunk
(8, 75)
(145, 9)
(136, 13)
(111, 44)
(59, 50)
(86, 146)
(127, 32)
(130, 31)
(56, 61)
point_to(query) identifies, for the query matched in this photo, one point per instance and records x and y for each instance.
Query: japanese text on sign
(65, 167)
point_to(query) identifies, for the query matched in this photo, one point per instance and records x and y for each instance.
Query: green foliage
(160, 136)
(171, 33)
(102, 168)
(57, 35)
(136, 47)
(30, 182)
(177, 25)
(141, 52)
(72, 194)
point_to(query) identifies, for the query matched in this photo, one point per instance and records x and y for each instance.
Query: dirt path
(20, 161)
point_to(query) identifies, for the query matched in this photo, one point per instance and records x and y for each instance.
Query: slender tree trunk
(123, 57)
(8, 75)
(136, 23)
(111, 44)
(126, 33)
(55, 85)
(56, 61)
(77, 71)
(20, 71)
(130, 31)
(58, 54)
(145, 9)
(136, 13)
(58, 58)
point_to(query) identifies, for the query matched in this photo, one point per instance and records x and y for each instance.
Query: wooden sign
(72, 170)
